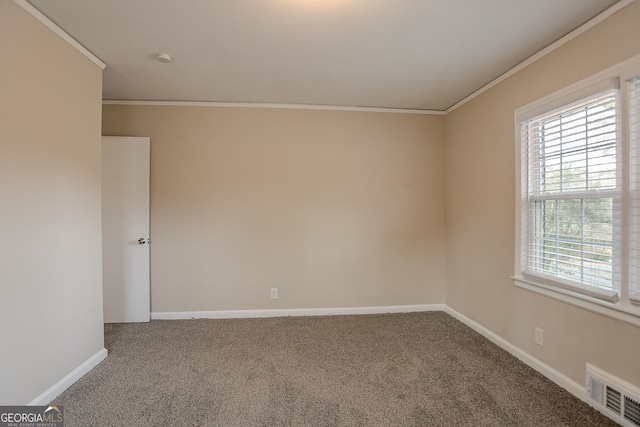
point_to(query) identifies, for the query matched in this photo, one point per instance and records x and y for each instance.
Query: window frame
(620, 305)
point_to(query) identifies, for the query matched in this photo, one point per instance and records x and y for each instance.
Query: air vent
(596, 390)
(613, 400)
(632, 410)
(614, 397)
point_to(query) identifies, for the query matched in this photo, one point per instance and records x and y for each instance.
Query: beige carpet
(416, 369)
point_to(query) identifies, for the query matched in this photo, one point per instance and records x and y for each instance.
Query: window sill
(628, 312)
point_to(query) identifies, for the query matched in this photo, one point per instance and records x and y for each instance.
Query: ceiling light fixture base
(164, 57)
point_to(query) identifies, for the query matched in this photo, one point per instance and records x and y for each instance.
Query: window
(578, 212)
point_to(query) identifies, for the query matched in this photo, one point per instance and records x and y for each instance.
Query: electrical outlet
(274, 293)
(539, 336)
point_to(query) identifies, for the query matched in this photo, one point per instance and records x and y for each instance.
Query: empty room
(320, 212)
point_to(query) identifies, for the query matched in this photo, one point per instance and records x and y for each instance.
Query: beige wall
(333, 208)
(50, 231)
(336, 209)
(480, 213)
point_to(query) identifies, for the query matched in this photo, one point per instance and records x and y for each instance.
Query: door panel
(125, 229)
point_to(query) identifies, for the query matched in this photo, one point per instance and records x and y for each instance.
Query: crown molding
(540, 54)
(267, 105)
(544, 52)
(60, 32)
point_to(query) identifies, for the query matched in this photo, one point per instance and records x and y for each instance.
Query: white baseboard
(243, 314)
(560, 379)
(73, 376)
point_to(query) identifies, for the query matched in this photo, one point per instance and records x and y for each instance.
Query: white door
(125, 229)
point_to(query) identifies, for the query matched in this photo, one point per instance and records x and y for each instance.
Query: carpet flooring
(413, 369)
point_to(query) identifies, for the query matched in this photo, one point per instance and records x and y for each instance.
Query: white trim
(73, 376)
(626, 313)
(544, 52)
(60, 32)
(572, 288)
(595, 83)
(568, 97)
(535, 57)
(267, 105)
(622, 309)
(557, 377)
(557, 44)
(243, 314)
(608, 379)
(578, 390)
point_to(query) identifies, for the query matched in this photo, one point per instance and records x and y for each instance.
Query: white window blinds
(578, 198)
(571, 190)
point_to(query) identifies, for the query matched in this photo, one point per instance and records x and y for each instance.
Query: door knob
(141, 241)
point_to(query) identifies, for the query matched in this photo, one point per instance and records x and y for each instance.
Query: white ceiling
(414, 54)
